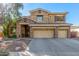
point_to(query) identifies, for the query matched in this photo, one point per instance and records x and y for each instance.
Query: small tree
(10, 12)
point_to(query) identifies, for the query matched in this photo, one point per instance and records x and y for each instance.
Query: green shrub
(14, 36)
(4, 52)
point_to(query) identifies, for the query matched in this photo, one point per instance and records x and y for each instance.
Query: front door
(25, 31)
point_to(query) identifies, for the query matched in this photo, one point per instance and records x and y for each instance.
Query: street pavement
(25, 53)
(54, 47)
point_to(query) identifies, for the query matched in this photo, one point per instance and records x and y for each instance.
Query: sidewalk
(19, 53)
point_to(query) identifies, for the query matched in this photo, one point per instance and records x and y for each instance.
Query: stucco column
(55, 32)
(69, 33)
(18, 30)
(30, 32)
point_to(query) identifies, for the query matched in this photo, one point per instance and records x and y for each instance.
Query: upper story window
(39, 18)
(59, 18)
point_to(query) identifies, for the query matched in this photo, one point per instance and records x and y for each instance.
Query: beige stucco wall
(18, 30)
(51, 18)
(48, 18)
(35, 13)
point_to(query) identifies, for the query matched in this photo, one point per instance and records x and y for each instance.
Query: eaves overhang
(50, 25)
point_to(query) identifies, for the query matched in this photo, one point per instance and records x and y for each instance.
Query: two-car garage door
(43, 33)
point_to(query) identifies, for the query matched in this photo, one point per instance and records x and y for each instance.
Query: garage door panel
(62, 33)
(43, 34)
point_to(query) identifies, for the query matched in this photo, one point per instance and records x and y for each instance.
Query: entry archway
(25, 31)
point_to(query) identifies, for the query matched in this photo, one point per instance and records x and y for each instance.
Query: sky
(72, 8)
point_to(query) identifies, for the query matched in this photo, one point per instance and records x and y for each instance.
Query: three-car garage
(50, 33)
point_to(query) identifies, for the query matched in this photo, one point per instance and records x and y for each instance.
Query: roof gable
(26, 20)
(38, 9)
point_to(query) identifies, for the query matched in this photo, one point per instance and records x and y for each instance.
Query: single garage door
(43, 33)
(62, 33)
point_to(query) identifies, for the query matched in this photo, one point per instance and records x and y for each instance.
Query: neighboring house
(74, 31)
(43, 24)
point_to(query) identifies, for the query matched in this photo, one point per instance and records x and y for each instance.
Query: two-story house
(43, 24)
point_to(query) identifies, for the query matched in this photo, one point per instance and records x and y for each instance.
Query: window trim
(37, 18)
(60, 20)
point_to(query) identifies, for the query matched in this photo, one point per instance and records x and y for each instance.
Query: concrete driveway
(54, 47)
